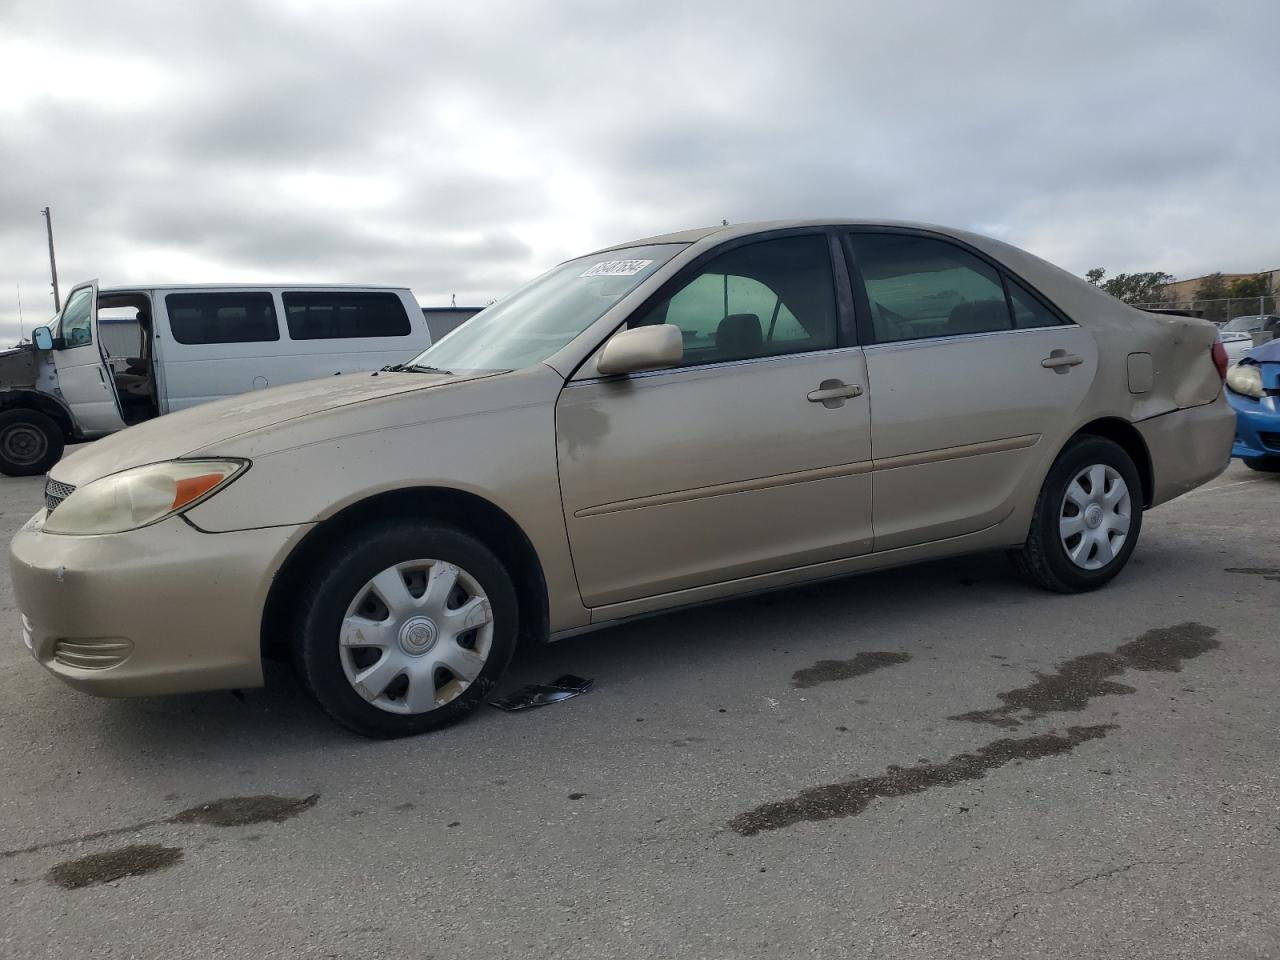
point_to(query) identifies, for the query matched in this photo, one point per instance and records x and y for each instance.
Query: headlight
(1246, 379)
(143, 495)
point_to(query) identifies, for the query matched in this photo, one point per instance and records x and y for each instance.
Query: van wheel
(1087, 518)
(407, 629)
(30, 443)
(1262, 464)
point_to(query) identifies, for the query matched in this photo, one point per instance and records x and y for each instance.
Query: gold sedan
(665, 422)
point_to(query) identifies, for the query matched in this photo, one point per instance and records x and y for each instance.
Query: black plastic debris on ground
(542, 694)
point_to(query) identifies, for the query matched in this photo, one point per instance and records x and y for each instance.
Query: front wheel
(407, 628)
(1087, 518)
(1262, 464)
(30, 443)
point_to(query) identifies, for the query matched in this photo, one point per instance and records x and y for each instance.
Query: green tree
(1138, 287)
(1259, 285)
(1095, 276)
(1212, 287)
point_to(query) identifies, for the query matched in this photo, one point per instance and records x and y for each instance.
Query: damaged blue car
(1253, 390)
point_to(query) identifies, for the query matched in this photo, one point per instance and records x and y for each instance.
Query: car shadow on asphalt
(856, 611)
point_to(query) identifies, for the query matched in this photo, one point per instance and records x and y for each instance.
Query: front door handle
(1059, 361)
(833, 393)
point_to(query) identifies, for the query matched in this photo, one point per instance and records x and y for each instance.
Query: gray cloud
(461, 150)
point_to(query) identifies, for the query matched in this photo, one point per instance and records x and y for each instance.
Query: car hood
(197, 428)
(1269, 352)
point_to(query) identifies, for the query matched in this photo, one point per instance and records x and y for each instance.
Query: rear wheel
(30, 443)
(407, 629)
(1263, 464)
(1087, 518)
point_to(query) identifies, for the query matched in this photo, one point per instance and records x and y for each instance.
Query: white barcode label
(617, 268)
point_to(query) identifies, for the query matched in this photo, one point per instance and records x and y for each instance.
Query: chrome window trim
(960, 337)
(694, 368)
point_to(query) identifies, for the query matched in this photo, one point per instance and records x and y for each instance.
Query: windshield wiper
(415, 368)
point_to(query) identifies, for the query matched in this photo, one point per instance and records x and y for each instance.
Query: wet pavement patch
(128, 861)
(1266, 573)
(825, 671)
(1081, 679)
(241, 811)
(852, 797)
(231, 812)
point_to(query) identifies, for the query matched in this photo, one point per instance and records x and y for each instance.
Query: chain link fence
(1221, 311)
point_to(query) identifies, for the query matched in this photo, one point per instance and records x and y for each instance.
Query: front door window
(759, 300)
(77, 319)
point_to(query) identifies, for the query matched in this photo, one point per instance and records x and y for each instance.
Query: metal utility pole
(53, 263)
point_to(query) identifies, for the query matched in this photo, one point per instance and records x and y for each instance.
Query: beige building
(1188, 289)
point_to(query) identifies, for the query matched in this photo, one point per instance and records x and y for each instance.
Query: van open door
(83, 377)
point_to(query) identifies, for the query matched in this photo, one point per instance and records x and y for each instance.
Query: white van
(117, 356)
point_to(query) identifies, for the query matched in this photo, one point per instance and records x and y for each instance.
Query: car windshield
(532, 323)
(1245, 325)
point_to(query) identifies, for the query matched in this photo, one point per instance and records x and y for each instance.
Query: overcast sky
(464, 147)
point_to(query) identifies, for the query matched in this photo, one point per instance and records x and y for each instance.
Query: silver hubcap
(1094, 519)
(416, 636)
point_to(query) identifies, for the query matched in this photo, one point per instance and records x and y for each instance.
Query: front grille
(55, 492)
(1270, 440)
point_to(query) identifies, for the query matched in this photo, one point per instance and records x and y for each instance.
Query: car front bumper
(1257, 426)
(160, 610)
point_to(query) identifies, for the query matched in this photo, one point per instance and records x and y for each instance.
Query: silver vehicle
(1238, 334)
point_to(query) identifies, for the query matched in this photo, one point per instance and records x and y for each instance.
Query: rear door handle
(833, 393)
(1059, 360)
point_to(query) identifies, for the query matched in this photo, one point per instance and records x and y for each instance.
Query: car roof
(728, 231)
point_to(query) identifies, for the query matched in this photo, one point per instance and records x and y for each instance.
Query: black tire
(345, 570)
(1262, 464)
(30, 443)
(1043, 559)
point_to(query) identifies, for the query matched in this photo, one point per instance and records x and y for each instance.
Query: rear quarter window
(343, 316)
(197, 318)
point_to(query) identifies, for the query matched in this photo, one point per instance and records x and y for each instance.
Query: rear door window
(1028, 309)
(322, 315)
(228, 317)
(921, 287)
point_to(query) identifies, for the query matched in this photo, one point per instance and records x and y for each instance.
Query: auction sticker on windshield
(617, 268)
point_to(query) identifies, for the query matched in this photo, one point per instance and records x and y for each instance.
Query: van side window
(338, 315)
(77, 326)
(222, 317)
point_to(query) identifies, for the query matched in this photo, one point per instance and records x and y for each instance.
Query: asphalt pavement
(936, 761)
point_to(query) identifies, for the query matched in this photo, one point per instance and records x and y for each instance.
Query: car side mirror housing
(42, 338)
(654, 347)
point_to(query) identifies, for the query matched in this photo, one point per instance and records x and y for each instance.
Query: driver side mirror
(642, 348)
(42, 338)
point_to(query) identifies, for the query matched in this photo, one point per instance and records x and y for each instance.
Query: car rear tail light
(1219, 353)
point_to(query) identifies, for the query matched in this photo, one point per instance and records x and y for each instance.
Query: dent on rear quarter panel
(1184, 373)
